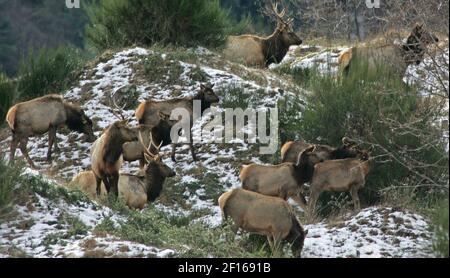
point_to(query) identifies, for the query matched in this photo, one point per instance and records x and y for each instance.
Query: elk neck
(153, 181)
(274, 48)
(303, 172)
(113, 144)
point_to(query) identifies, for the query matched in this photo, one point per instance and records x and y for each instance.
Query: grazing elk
(291, 149)
(412, 51)
(264, 215)
(135, 190)
(340, 175)
(41, 115)
(261, 52)
(283, 180)
(153, 114)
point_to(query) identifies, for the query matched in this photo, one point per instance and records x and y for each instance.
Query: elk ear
(212, 86)
(203, 87)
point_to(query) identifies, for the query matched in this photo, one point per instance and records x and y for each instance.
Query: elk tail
(223, 199)
(11, 117)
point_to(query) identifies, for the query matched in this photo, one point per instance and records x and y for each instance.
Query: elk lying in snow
(136, 191)
(291, 149)
(41, 115)
(106, 154)
(151, 113)
(264, 215)
(283, 180)
(261, 52)
(339, 175)
(384, 52)
(85, 181)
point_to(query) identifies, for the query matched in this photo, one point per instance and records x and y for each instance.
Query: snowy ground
(374, 232)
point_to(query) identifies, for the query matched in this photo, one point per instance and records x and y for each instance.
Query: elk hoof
(173, 159)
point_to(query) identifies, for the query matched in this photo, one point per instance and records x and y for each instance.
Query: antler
(118, 114)
(280, 14)
(147, 151)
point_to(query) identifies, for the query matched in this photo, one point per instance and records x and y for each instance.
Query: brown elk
(340, 175)
(283, 180)
(41, 115)
(264, 215)
(155, 115)
(106, 152)
(135, 190)
(412, 51)
(291, 149)
(261, 52)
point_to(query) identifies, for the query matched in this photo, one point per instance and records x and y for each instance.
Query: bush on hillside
(7, 95)
(373, 106)
(49, 71)
(118, 23)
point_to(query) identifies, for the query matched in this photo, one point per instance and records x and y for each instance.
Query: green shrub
(8, 180)
(7, 95)
(440, 241)
(118, 23)
(158, 229)
(374, 106)
(50, 71)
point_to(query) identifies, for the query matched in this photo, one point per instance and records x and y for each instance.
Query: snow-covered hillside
(137, 74)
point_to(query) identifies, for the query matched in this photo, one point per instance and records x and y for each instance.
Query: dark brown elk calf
(152, 113)
(106, 154)
(264, 215)
(41, 115)
(340, 175)
(261, 52)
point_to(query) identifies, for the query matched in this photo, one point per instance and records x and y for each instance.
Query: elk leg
(173, 152)
(114, 183)
(23, 148)
(312, 201)
(105, 180)
(51, 141)
(98, 181)
(355, 197)
(13, 147)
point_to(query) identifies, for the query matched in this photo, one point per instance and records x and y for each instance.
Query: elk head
(206, 93)
(78, 121)
(284, 27)
(417, 43)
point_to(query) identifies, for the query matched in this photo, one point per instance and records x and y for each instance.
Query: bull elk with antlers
(106, 152)
(41, 115)
(261, 52)
(136, 191)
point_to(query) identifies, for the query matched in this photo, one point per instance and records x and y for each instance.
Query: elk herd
(260, 205)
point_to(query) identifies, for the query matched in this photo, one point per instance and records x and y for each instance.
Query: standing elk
(152, 114)
(261, 52)
(283, 180)
(135, 190)
(340, 175)
(41, 115)
(264, 215)
(106, 152)
(291, 149)
(412, 51)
